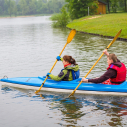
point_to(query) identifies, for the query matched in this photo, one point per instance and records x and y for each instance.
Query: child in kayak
(70, 71)
(115, 74)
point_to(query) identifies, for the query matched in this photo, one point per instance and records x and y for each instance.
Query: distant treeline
(116, 5)
(30, 7)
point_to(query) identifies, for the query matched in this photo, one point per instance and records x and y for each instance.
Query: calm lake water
(28, 47)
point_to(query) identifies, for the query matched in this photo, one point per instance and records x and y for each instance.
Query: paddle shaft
(97, 60)
(52, 67)
(69, 39)
(88, 72)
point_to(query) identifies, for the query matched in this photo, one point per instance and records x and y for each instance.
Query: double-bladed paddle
(69, 39)
(97, 61)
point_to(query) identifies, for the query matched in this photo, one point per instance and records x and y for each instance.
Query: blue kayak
(34, 83)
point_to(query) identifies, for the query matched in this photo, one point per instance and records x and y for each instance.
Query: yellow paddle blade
(37, 91)
(96, 61)
(72, 94)
(71, 36)
(114, 38)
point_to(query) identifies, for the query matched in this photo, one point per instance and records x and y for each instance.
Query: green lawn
(106, 25)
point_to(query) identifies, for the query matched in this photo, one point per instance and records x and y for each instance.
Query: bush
(61, 19)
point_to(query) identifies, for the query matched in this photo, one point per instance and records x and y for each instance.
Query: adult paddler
(115, 74)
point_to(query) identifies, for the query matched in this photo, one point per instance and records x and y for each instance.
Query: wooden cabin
(101, 7)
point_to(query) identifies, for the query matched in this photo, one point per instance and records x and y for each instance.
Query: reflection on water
(79, 110)
(29, 47)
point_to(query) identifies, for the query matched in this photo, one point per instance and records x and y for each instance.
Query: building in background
(101, 7)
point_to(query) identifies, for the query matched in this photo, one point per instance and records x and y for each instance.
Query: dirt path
(93, 17)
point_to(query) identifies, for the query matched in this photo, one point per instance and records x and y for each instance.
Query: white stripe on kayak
(61, 90)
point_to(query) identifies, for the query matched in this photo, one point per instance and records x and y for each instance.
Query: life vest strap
(117, 82)
(75, 74)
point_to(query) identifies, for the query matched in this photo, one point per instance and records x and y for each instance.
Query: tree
(9, 5)
(15, 9)
(61, 19)
(1, 7)
(79, 8)
(32, 7)
(64, 19)
(125, 4)
(23, 7)
(114, 5)
(108, 2)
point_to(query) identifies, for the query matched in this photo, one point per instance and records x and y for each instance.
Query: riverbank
(106, 25)
(16, 16)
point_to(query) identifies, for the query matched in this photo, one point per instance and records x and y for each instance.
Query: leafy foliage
(116, 5)
(79, 8)
(30, 7)
(61, 19)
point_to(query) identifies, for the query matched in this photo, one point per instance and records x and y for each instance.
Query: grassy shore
(104, 25)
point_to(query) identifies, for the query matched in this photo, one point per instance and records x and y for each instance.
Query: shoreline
(20, 16)
(110, 37)
(102, 25)
(16, 17)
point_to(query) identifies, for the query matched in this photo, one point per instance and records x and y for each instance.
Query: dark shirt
(110, 73)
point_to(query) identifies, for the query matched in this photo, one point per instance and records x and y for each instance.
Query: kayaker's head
(68, 60)
(111, 58)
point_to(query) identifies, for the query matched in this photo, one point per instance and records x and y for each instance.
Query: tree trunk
(10, 8)
(125, 6)
(108, 6)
